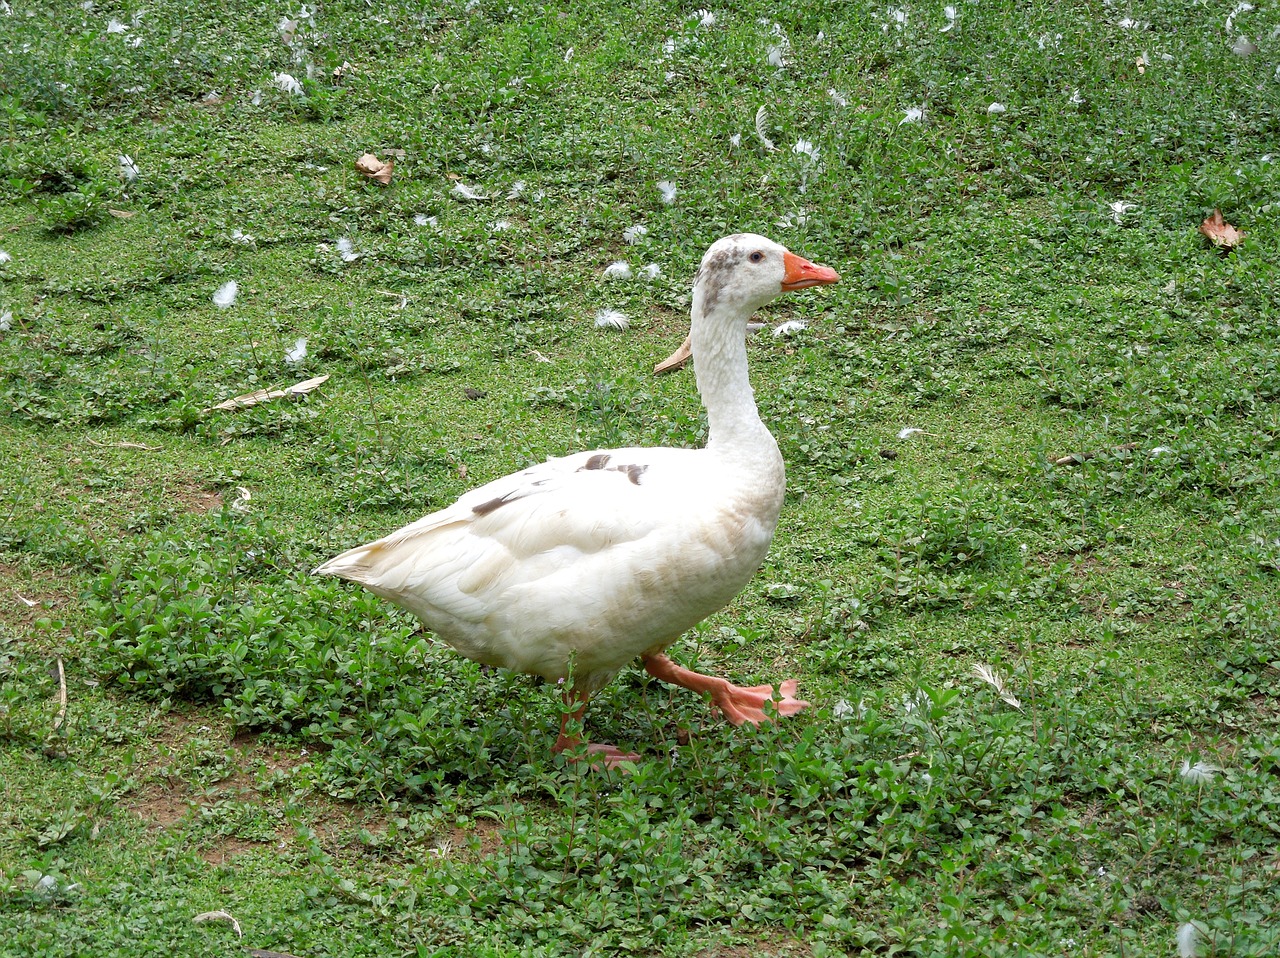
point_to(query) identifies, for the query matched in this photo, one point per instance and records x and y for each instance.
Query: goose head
(741, 273)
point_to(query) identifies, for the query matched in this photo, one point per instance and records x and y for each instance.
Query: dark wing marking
(598, 461)
(634, 472)
(487, 507)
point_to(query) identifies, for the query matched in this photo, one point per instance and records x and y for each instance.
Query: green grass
(239, 736)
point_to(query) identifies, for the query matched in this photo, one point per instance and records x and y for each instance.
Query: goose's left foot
(740, 704)
(600, 756)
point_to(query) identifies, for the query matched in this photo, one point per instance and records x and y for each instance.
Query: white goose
(584, 563)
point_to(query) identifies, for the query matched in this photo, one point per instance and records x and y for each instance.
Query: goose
(573, 568)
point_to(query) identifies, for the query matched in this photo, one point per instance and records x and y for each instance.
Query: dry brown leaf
(1221, 233)
(376, 169)
(266, 395)
(120, 214)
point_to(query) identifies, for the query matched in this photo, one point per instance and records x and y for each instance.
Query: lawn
(1027, 571)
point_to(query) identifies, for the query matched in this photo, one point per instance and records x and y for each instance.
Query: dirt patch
(459, 841)
(159, 807)
(25, 597)
(227, 849)
(766, 947)
(276, 758)
(193, 497)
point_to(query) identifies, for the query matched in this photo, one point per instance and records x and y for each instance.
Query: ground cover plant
(1027, 571)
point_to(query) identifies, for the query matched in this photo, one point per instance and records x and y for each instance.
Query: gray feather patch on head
(717, 269)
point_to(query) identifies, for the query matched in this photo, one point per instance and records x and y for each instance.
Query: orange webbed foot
(740, 704)
(747, 704)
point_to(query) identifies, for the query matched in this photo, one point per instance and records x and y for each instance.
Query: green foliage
(1030, 429)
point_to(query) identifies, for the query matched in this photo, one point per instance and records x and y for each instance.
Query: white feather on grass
(1188, 940)
(807, 149)
(224, 296)
(1239, 9)
(634, 234)
(651, 271)
(706, 18)
(298, 353)
(4, 257)
(789, 328)
(838, 98)
(128, 168)
(244, 239)
(612, 319)
(776, 56)
(1201, 773)
(1118, 209)
(994, 679)
(464, 192)
(6, 321)
(667, 189)
(909, 431)
(895, 17)
(288, 83)
(762, 121)
(950, 13)
(115, 26)
(422, 219)
(914, 114)
(735, 140)
(620, 269)
(347, 250)
(996, 108)
(1244, 47)
(517, 190)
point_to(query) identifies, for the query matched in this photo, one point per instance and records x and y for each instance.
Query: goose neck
(720, 368)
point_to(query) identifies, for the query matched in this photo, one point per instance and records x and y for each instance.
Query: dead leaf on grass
(376, 169)
(120, 214)
(1221, 233)
(266, 395)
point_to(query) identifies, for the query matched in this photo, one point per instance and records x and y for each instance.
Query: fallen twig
(123, 445)
(1075, 458)
(62, 698)
(220, 916)
(266, 395)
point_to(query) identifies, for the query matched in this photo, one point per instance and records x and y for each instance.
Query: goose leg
(738, 703)
(603, 756)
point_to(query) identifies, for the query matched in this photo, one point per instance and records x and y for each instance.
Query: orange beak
(801, 274)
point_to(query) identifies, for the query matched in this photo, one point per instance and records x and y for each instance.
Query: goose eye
(756, 257)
